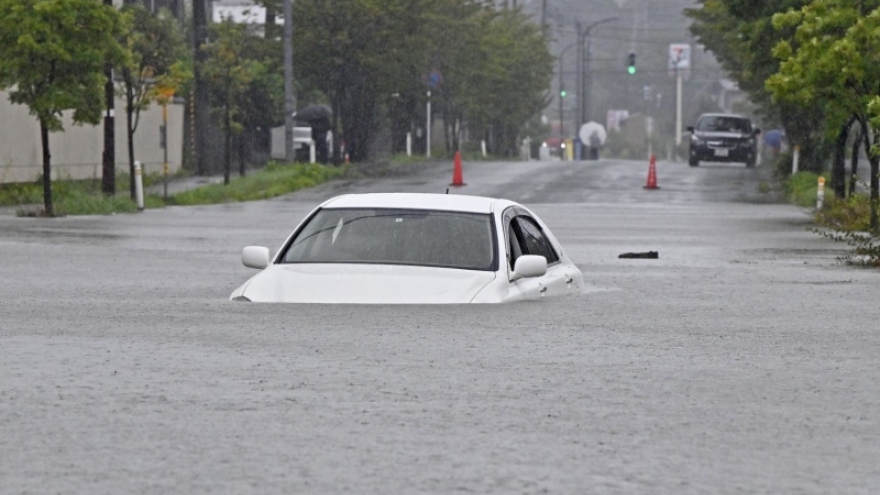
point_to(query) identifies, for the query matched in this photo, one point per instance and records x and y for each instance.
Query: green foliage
(831, 62)
(495, 65)
(781, 163)
(850, 214)
(228, 72)
(155, 70)
(82, 197)
(741, 35)
(275, 180)
(828, 60)
(54, 53)
(801, 188)
(848, 220)
(359, 53)
(157, 48)
(21, 193)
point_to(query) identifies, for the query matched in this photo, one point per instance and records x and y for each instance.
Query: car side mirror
(690, 128)
(255, 257)
(528, 266)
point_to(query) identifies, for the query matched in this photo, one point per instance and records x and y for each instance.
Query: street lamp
(584, 61)
(562, 92)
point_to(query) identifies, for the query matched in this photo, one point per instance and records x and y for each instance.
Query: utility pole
(289, 99)
(562, 89)
(428, 127)
(203, 101)
(108, 161)
(544, 16)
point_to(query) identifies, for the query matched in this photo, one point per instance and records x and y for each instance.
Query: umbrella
(589, 129)
(316, 116)
(773, 138)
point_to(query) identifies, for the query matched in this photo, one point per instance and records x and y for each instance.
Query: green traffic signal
(631, 63)
(631, 69)
(562, 93)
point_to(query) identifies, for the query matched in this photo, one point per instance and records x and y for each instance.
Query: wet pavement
(742, 360)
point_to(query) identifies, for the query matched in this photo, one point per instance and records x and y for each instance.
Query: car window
(724, 124)
(533, 240)
(514, 243)
(396, 236)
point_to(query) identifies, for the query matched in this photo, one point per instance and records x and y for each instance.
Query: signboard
(614, 118)
(679, 56)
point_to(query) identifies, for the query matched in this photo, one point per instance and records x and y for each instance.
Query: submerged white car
(413, 249)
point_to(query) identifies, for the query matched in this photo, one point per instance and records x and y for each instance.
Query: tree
(157, 48)
(512, 85)
(228, 74)
(741, 35)
(359, 53)
(261, 103)
(54, 52)
(830, 62)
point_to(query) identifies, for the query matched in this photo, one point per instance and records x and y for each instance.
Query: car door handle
(543, 290)
(569, 280)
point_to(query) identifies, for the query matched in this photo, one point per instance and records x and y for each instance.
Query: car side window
(534, 241)
(514, 242)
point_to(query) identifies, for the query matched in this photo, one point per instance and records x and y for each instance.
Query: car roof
(421, 201)
(724, 115)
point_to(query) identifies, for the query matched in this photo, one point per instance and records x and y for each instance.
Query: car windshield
(724, 124)
(397, 237)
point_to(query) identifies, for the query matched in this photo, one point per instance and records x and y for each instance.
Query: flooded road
(744, 359)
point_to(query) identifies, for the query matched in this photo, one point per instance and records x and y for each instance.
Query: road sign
(679, 56)
(679, 60)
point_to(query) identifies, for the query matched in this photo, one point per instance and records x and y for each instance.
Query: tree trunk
(202, 108)
(108, 166)
(838, 165)
(854, 166)
(241, 149)
(130, 132)
(47, 171)
(270, 30)
(336, 158)
(874, 160)
(227, 155)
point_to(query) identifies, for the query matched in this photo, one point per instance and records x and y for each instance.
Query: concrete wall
(77, 151)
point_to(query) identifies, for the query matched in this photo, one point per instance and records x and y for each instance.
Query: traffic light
(631, 63)
(563, 93)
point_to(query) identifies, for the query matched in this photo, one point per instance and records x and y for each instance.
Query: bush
(801, 188)
(848, 220)
(274, 180)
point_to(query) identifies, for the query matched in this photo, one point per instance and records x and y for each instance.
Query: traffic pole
(138, 186)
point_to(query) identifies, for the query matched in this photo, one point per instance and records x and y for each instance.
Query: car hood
(716, 135)
(363, 284)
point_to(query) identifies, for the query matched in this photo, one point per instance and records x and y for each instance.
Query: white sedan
(401, 248)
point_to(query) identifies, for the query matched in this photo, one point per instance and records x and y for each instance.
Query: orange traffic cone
(456, 171)
(652, 174)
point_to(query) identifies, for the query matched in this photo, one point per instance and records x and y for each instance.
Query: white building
(77, 151)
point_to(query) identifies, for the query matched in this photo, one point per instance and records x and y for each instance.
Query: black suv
(721, 137)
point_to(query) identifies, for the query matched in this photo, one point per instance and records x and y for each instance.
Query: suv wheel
(693, 161)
